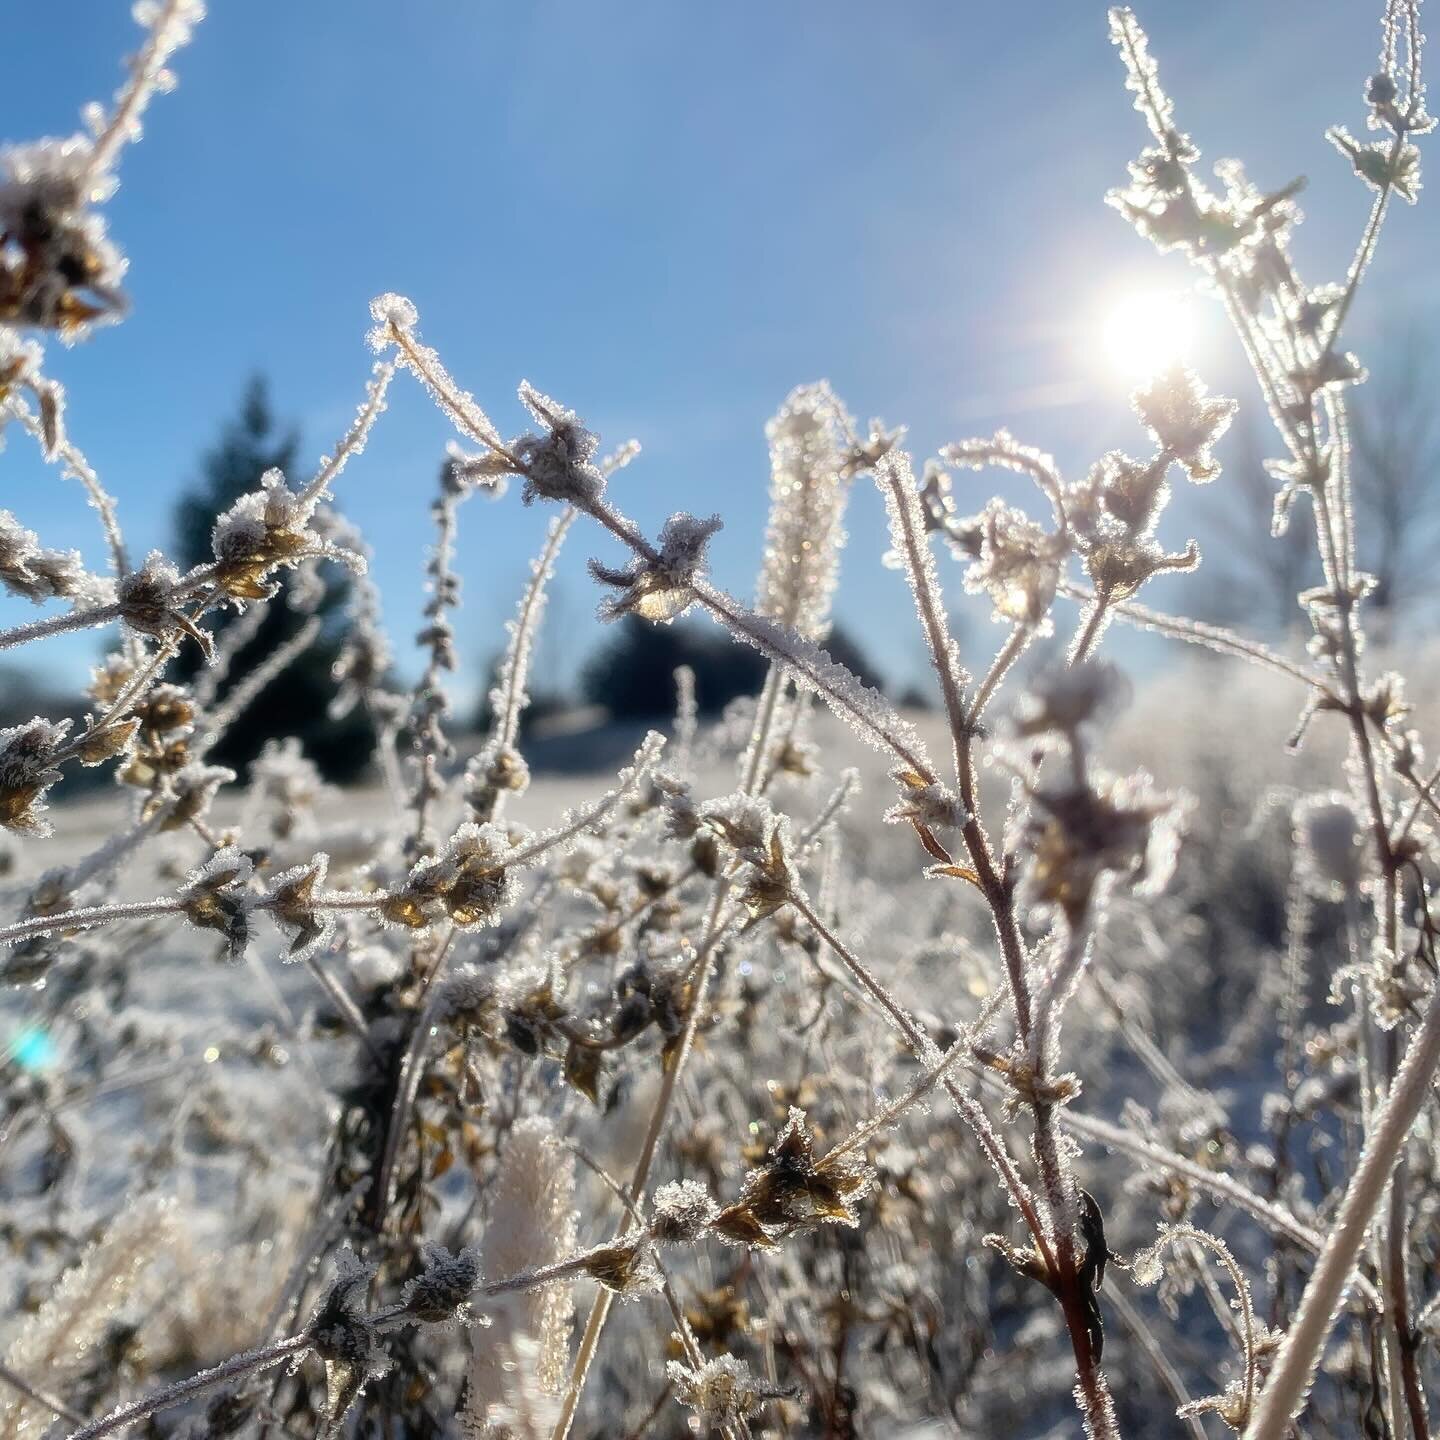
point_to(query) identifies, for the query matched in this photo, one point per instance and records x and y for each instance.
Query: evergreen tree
(296, 702)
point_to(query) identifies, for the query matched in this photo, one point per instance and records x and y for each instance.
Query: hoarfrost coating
(876, 1128)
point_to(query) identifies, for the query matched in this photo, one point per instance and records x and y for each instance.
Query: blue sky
(666, 215)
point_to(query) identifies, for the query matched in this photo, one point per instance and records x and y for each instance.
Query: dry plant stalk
(501, 991)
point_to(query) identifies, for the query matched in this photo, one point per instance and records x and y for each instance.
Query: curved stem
(252, 1362)
(922, 1047)
(1013, 648)
(1289, 1382)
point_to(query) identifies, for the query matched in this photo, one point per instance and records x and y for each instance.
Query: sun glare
(1147, 332)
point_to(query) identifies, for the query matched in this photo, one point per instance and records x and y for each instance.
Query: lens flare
(1145, 333)
(32, 1049)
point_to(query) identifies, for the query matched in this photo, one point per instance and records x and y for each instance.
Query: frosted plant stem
(1093, 1393)
(58, 625)
(640, 1178)
(247, 690)
(123, 124)
(1197, 632)
(1402, 1332)
(1144, 1337)
(32, 1392)
(667, 1289)
(1096, 615)
(251, 1363)
(751, 628)
(345, 1004)
(1424, 795)
(1364, 251)
(1289, 1383)
(80, 468)
(1013, 648)
(1365, 1068)
(1334, 541)
(1399, 1343)
(412, 1068)
(237, 635)
(712, 931)
(921, 1046)
(87, 918)
(353, 441)
(515, 673)
(937, 1074)
(1273, 1217)
(907, 531)
(908, 534)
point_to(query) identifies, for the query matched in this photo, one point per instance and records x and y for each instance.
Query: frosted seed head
(27, 772)
(216, 897)
(390, 312)
(441, 1293)
(194, 787)
(681, 1212)
(1331, 845)
(1185, 419)
(342, 1335)
(928, 803)
(626, 1268)
(1381, 164)
(559, 463)
(722, 1392)
(1061, 701)
(147, 600)
(661, 590)
(70, 273)
(1018, 566)
(291, 903)
(1076, 835)
(808, 492)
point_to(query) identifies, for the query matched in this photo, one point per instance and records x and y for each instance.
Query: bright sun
(1145, 333)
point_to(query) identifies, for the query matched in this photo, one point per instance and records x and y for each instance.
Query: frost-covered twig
(1294, 1369)
(253, 1362)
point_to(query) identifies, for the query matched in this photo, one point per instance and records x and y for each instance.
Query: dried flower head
(291, 901)
(1075, 834)
(58, 269)
(1185, 420)
(1062, 700)
(1017, 565)
(150, 600)
(343, 1336)
(680, 1212)
(661, 589)
(1381, 164)
(263, 531)
(626, 1268)
(27, 771)
(760, 841)
(722, 1392)
(441, 1293)
(793, 1191)
(469, 883)
(559, 462)
(217, 897)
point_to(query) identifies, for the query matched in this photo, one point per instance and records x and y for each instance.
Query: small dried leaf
(582, 1071)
